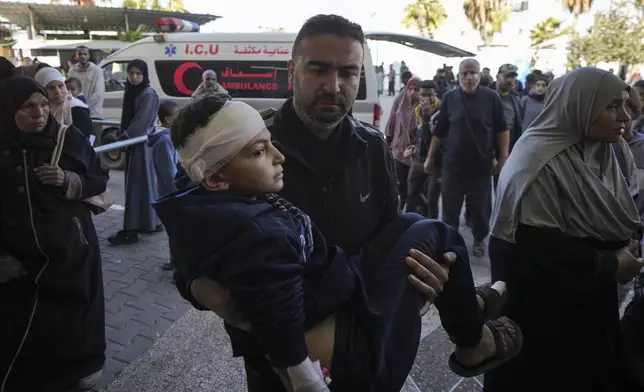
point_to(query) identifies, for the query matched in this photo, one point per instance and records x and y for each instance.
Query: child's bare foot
(501, 340)
(471, 356)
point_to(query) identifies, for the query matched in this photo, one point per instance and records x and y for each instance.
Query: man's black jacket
(358, 198)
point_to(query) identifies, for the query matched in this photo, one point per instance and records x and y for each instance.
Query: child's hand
(215, 297)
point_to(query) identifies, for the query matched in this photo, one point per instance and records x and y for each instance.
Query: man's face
(506, 81)
(541, 87)
(325, 76)
(469, 76)
(485, 72)
(82, 55)
(428, 95)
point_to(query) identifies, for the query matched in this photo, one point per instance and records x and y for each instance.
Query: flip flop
(509, 341)
(494, 296)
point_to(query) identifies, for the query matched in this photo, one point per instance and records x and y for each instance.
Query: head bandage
(212, 146)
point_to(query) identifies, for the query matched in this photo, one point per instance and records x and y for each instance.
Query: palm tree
(486, 17)
(132, 35)
(544, 31)
(425, 15)
(577, 8)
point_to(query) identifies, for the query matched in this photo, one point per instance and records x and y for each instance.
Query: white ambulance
(251, 66)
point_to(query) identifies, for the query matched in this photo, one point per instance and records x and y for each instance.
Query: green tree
(544, 31)
(84, 3)
(616, 36)
(425, 15)
(486, 16)
(169, 5)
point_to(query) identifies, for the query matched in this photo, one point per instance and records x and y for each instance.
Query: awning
(67, 17)
(70, 44)
(420, 43)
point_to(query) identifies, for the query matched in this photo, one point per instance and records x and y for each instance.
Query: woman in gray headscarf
(563, 234)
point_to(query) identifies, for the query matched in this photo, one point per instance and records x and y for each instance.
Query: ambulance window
(115, 75)
(242, 79)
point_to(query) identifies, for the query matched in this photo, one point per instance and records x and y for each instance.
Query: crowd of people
(317, 239)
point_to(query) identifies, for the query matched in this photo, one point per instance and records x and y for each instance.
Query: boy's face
(170, 118)
(256, 170)
(73, 88)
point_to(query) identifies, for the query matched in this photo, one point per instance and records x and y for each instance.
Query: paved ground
(157, 343)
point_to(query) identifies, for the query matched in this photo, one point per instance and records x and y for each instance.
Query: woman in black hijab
(52, 328)
(6, 68)
(140, 107)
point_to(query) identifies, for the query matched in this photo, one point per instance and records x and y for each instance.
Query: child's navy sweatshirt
(254, 250)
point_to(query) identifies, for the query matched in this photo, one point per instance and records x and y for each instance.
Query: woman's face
(56, 92)
(611, 123)
(413, 93)
(135, 76)
(32, 115)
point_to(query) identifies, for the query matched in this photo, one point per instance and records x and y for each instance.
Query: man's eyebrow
(323, 64)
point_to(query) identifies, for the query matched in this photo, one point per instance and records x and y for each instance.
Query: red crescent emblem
(178, 77)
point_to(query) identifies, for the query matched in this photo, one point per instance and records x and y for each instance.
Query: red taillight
(377, 112)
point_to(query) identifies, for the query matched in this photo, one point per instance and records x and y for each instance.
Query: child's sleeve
(266, 286)
(164, 166)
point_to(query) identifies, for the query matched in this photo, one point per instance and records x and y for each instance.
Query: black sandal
(509, 341)
(493, 301)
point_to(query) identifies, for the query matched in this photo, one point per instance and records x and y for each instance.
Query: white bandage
(211, 147)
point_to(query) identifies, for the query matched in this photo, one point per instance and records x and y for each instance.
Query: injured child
(288, 283)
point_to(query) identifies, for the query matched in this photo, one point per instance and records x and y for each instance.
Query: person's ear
(216, 182)
(291, 68)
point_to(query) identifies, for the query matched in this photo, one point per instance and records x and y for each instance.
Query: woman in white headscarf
(209, 85)
(65, 108)
(563, 234)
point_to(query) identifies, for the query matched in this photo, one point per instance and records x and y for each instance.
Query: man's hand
(500, 162)
(10, 268)
(50, 175)
(216, 297)
(409, 152)
(428, 166)
(429, 277)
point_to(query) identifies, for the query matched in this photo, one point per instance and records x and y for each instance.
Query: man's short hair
(531, 78)
(428, 84)
(328, 24)
(194, 115)
(166, 107)
(82, 47)
(639, 83)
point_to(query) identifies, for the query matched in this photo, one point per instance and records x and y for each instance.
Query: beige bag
(99, 203)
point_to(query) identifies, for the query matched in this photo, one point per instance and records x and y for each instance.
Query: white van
(251, 66)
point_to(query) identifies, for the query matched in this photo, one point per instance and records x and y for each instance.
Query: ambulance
(251, 66)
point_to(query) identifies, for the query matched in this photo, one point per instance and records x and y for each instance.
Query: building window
(518, 5)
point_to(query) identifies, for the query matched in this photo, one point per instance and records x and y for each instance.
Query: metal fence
(120, 144)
